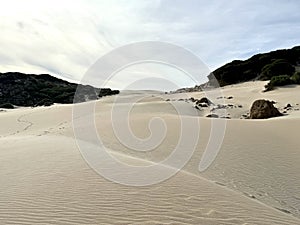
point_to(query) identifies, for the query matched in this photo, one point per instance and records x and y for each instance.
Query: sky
(66, 38)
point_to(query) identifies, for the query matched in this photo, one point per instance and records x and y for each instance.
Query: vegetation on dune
(296, 78)
(261, 67)
(282, 80)
(6, 106)
(276, 81)
(44, 90)
(276, 68)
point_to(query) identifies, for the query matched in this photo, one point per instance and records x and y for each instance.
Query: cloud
(66, 37)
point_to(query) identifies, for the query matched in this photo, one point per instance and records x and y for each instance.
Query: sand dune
(254, 179)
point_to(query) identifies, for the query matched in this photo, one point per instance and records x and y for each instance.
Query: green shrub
(276, 68)
(45, 102)
(276, 81)
(296, 78)
(281, 80)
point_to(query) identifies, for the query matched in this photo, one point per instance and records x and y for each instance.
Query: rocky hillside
(36, 90)
(259, 67)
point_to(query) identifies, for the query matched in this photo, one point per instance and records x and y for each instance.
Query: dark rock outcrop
(263, 109)
(204, 100)
(212, 116)
(203, 105)
(288, 106)
(192, 99)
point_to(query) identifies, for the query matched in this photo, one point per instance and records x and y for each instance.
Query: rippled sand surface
(45, 180)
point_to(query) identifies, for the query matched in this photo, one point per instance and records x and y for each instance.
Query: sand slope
(45, 180)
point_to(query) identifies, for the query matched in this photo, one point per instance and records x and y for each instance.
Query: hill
(37, 90)
(259, 67)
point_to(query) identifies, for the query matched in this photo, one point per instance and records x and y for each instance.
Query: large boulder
(263, 109)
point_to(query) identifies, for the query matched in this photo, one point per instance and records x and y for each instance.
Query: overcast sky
(65, 38)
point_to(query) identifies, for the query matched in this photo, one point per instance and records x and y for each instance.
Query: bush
(276, 81)
(107, 91)
(296, 78)
(45, 102)
(65, 98)
(276, 68)
(281, 80)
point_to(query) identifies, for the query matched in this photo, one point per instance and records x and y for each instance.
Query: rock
(263, 109)
(204, 100)
(203, 105)
(244, 116)
(221, 106)
(230, 97)
(212, 116)
(288, 107)
(225, 117)
(192, 99)
(249, 195)
(168, 100)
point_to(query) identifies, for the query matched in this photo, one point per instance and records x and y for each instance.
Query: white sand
(45, 180)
